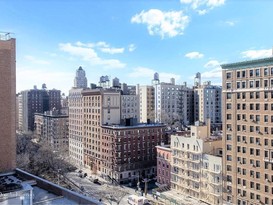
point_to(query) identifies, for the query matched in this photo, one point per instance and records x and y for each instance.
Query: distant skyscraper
(197, 79)
(8, 105)
(80, 80)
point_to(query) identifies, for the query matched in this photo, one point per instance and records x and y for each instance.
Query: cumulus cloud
(212, 64)
(203, 6)
(215, 70)
(132, 47)
(170, 24)
(28, 76)
(252, 54)
(87, 53)
(34, 60)
(142, 72)
(194, 55)
(101, 46)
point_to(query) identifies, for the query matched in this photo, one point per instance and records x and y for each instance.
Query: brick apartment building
(247, 132)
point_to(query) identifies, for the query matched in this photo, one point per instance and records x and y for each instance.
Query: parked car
(96, 181)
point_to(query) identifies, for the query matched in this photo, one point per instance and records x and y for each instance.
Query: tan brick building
(8, 103)
(247, 132)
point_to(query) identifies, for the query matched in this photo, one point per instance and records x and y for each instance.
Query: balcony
(217, 194)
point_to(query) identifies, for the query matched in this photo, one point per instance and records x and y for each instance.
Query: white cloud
(112, 50)
(27, 77)
(252, 54)
(214, 73)
(203, 6)
(131, 47)
(162, 23)
(34, 60)
(212, 64)
(194, 55)
(230, 23)
(215, 70)
(87, 53)
(101, 46)
(142, 72)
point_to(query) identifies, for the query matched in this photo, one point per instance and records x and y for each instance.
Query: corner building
(247, 132)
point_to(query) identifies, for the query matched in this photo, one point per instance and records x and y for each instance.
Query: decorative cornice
(249, 64)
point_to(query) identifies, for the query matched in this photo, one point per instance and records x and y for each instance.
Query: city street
(107, 192)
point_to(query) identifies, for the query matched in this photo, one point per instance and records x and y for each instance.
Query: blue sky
(133, 39)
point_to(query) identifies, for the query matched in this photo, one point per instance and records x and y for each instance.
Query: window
(257, 95)
(257, 83)
(266, 106)
(228, 75)
(243, 95)
(243, 84)
(257, 72)
(251, 84)
(238, 74)
(265, 71)
(228, 106)
(251, 95)
(228, 116)
(228, 85)
(238, 95)
(238, 85)
(228, 95)
(251, 73)
(243, 74)
(265, 83)
(265, 94)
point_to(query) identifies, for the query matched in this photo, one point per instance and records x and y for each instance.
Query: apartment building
(146, 103)
(100, 106)
(208, 104)
(35, 101)
(52, 128)
(128, 153)
(247, 142)
(163, 177)
(173, 103)
(8, 102)
(75, 126)
(197, 165)
(130, 107)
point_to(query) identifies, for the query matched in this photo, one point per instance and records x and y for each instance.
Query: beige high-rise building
(8, 103)
(197, 165)
(100, 107)
(75, 126)
(146, 103)
(247, 132)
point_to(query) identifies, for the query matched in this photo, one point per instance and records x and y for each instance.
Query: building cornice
(248, 64)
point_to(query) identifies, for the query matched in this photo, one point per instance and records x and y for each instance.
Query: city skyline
(132, 40)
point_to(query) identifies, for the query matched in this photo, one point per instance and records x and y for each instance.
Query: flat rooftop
(144, 125)
(178, 198)
(17, 185)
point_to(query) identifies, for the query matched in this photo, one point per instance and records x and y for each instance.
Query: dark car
(96, 181)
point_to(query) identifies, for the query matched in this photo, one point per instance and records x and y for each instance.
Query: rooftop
(248, 64)
(20, 187)
(178, 198)
(144, 125)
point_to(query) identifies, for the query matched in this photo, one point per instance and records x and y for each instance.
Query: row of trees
(41, 159)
